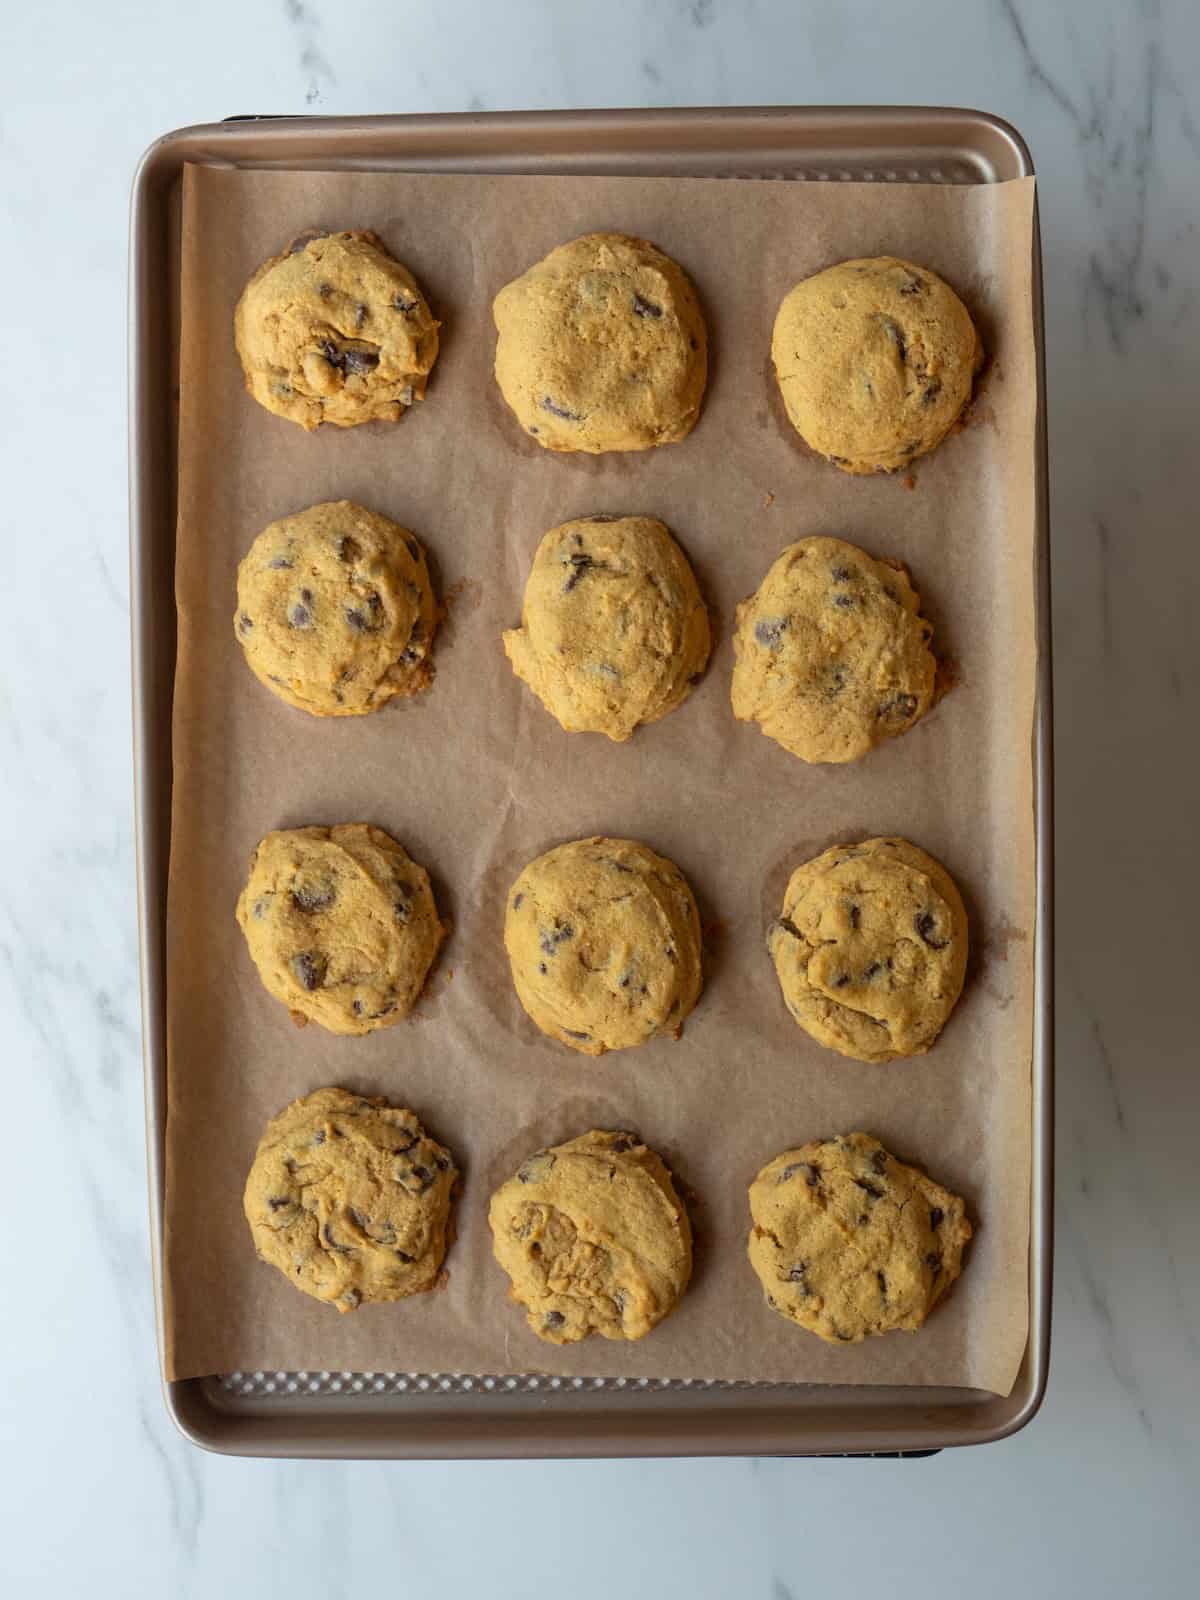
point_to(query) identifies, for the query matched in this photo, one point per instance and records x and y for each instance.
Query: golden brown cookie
(870, 948)
(341, 925)
(613, 630)
(875, 361)
(335, 330)
(831, 655)
(594, 1239)
(601, 346)
(350, 1199)
(335, 611)
(603, 938)
(847, 1241)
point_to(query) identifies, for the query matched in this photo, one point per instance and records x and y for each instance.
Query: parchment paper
(475, 778)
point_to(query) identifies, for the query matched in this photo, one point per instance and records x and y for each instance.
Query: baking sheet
(475, 778)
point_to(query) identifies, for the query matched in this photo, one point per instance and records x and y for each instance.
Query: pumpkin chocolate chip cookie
(849, 1242)
(594, 1238)
(832, 654)
(601, 346)
(875, 361)
(871, 948)
(603, 938)
(336, 612)
(613, 630)
(335, 330)
(350, 1199)
(341, 925)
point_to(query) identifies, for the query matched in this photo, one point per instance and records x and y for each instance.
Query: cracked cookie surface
(335, 330)
(594, 1238)
(601, 346)
(849, 1242)
(341, 925)
(831, 653)
(603, 938)
(870, 948)
(350, 1198)
(875, 360)
(613, 630)
(336, 613)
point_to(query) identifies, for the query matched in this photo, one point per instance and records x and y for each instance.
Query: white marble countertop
(1099, 1495)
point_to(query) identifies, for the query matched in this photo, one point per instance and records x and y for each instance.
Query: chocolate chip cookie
(341, 925)
(603, 937)
(336, 612)
(335, 330)
(594, 1238)
(875, 361)
(831, 655)
(613, 630)
(849, 1242)
(350, 1199)
(870, 948)
(601, 346)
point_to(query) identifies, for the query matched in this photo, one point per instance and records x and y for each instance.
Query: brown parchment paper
(475, 778)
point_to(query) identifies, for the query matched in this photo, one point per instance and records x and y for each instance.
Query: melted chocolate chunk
(556, 410)
(769, 633)
(308, 969)
(645, 308)
(926, 926)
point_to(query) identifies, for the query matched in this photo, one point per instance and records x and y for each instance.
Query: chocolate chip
(360, 314)
(879, 1161)
(277, 1202)
(325, 290)
(360, 360)
(319, 1136)
(799, 1274)
(670, 952)
(543, 968)
(260, 909)
(414, 549)
(579, 564)
(303, 240)
(862, 1221)
(842, 979)
(912, 284)
(308, 968)
(898, 708)
(280, 561)
(855, 915)
(788, 926)
(645, 308)
(536, 1168)
(934, 1259)
(556, 410)
(926, 926)
(327, 1235)
(840, 574)
(313, 897)
(551, 940)
(401, 302)
(399, 1149)
(358, 1008)
(844, 602)
(554, 1319)
(882, 1284)
(300, 616)
(839, 461)
(936, 1217)
(770, 633)
(867, 1188)
(872, 971)
(404, 1256)
(622, 1142)
(518, 901)
(424, 1176)
(245, 623)
(572, 1034)
(368, 621)
(347, 547)
(931, 392)
(892, 329)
